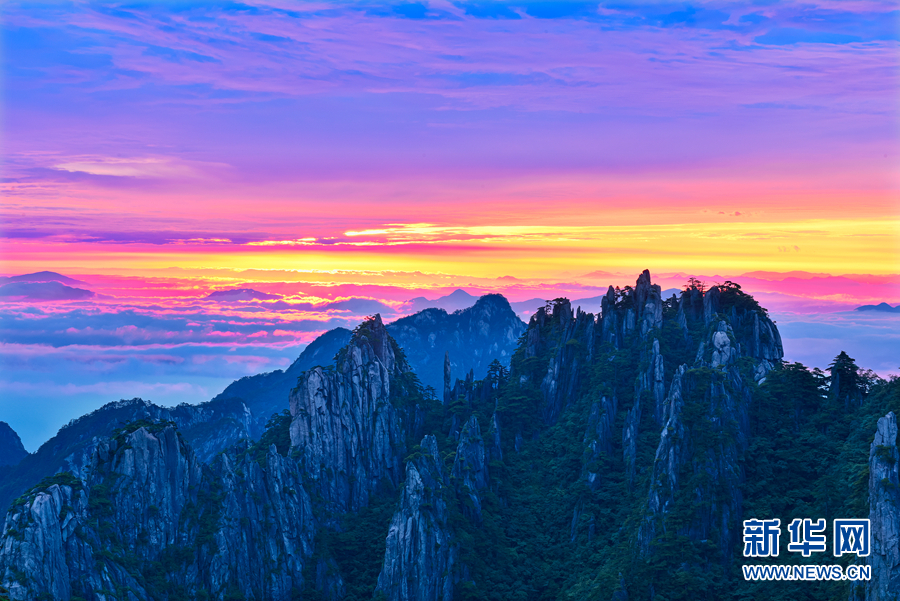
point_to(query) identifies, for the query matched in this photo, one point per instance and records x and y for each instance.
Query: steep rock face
(11, 449)
(653, 380)
(344, 424)
(724, 342)
(672, 452)
(495, 450)
(609, 325)
(447, 372)
(569, 339)
(720, 329)
(470, 470)
(704, 451)
(647, 304)
(266, 530)
(884, 512)
(36, 537)
(599, 434)
(132, 496)
(420, 553)
(470, 339)
(209, 427)
(149, 517)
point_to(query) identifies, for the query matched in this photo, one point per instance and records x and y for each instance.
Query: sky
(367, 153)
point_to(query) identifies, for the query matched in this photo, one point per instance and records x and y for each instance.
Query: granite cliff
(147, 520)
(612, 457)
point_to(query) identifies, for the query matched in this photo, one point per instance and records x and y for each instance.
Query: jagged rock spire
(420, 553)
(346, 429)
(884, 512)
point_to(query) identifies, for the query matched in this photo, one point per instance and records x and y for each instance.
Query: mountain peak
(880, 307)
(11, 449)
(241, 294)
(42, 276)
(43, 291)
(372, 333)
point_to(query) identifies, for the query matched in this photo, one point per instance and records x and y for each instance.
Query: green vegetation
(278, 433)
(545, 534)
(61, 478)
(152, 426)
(801, 440)
(358, 547)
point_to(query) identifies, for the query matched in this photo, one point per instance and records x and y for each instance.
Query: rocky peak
(210, 428)
(548, 324)
(470, 468)
(371, 340)
(344, 424)
(884, 512)
(610, 326)
(642, 289)
(711, 304)
(420, 552)
(648, 304)
(241, 527)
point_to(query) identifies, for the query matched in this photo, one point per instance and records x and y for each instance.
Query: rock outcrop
(345, 426)
(209, 427)
(884, 512)
(470, 470)
(705, 419)
(598, 438)
(420, 554)
(158, 510)
(149, 519)
(567, 339)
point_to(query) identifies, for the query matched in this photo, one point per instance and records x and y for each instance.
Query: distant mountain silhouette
(881, 308)
(43, 291)
(42, 276)
(359, 305)
(241, 294)
(456, 300)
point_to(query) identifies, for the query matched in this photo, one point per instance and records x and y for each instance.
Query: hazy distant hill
(881, 308)
(474, 337)
(43, 291)
(42, 276)
(456, 300)
(241, 294)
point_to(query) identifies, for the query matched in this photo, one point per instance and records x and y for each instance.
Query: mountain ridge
(615, 455)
